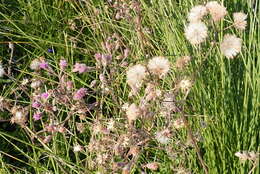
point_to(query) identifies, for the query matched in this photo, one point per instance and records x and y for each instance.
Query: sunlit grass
(225, 95)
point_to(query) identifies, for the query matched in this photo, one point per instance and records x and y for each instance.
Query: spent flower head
(196, 32)
(135, 76)
(163, 136)
(216, 10)
(159, 66)
(182, 62)
(2, 71)
(197, 13)
(133, 112)
(35, 64)
(230, 46)
(240, 20)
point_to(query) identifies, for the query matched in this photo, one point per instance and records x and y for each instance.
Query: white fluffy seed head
(135, 76)
(133, 112)
(230, 46)
(35, 64)
(216, 10)
(197, 13)
(185, 85)
(2, 71)
(196, 33)
(240, 20)
(159, 66)
(77, 148)
(163, 136)
(19, 115)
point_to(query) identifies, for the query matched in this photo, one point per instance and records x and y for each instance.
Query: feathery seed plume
(216, 10)
(197, 13)
(135, 76)
(230, 46)
(159, 66)
(196, 33)
(240, 20)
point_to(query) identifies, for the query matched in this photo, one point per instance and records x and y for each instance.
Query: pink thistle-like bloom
(69, 85)
(63, 64)
(44, 65)
(79, 94)
(106, 59)
(45, 95)
(80, 68)
(37, 116)
(98, 57)
(36, 105)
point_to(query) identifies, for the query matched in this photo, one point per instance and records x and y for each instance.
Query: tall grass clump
(129, 86)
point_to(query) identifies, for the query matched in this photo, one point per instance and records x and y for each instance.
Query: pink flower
(106, 59)
(45, 95)
(44, 65)
(36, 104)
(80, 68)
(98, 57)
(80, 94)
(37, 116)
(63, 64)
(69, 85)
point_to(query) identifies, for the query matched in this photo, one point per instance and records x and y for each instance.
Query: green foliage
(225, 95)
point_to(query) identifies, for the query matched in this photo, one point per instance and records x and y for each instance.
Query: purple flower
(50, 50)
(45, 95)
(79, 94)
(106, 59)
(36, 105)
(80, 68)
(37, 116)
(63, 64)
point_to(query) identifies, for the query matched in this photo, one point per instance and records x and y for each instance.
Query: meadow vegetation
(129, 86)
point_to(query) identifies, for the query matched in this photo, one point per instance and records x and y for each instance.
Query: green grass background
(226, 93)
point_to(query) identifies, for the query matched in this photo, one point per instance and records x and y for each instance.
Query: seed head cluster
(196, 32)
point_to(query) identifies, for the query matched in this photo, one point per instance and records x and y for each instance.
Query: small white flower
(179, 123)
(35, 83)
(25, 82)
(197, 13)
(111, 125)
(240, 20)
(159, 66)
(77, 148)
(185, 85)
(230, 46)
(163, 136)
(2, 71)
(196, 33)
